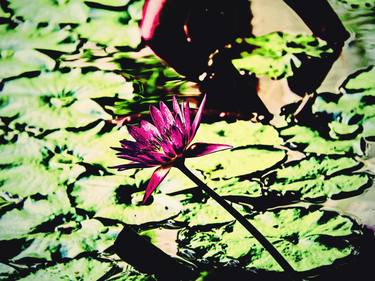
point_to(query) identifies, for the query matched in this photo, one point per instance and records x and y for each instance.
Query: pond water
(73, 73)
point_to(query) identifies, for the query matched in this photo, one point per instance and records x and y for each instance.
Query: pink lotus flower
(164, 143)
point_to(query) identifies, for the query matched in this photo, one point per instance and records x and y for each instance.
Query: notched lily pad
(305, 239)
(273, 54)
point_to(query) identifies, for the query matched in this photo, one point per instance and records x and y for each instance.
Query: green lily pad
(360, 81)
(310, 141)
(19, 62)
(27, 36)
(4, 14)
(113, 30)
(208, 213)
(91, 146)
(231, 163)
(77, 269)
(16, 224)
(303, 238)
(107, 202)
(275, 53)
(24, 150)
(86, 236)
(61, 100)
(239, 133)
(5, 271)
(56, 11)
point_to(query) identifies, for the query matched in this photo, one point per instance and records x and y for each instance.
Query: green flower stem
(242, 220)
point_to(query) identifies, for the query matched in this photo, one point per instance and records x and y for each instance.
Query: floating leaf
(56, 11)
(309, 140)
(27, 36)
(275, 53)
(319, 178)
(91, 146)
(19, 62)
(303, 237)
(102, 195)
(77, 269)
(198, 214)
(86, 236)
(231, 163)
(16, 224)
(113, 30)
(359, 3)
(61, 100)
(113, 3)
(239, 133)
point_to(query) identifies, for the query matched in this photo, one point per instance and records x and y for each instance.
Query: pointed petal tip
(156, 178)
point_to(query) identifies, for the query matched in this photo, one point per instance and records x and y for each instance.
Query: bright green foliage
(114, 3)
(75, 270)
(359, 3)
(275, 53)
(16, 223)
(69, 240)
(296, 232)
(56, 11)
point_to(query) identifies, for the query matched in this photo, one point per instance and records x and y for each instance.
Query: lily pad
(83, 237)
(113, 30)
(61, 100)
(310, 141)
(107, 202)
(209, 213)
(231, 163)
(239, 133)
(19, 62)
(303, 238)
(56, 11)
(27, 36)
(77, 269)
(358, 3)
(16, 224)
(113, 3)
(274, 54)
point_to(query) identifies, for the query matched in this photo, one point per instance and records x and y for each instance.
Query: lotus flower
(165, 142)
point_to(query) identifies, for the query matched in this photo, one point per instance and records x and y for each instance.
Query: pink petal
(167, 115)
(158, 119)
(176, 107)
(139, 134)
(201, 149)
(151, 130)
(187, 119)
(197, 119)
(156, 178)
